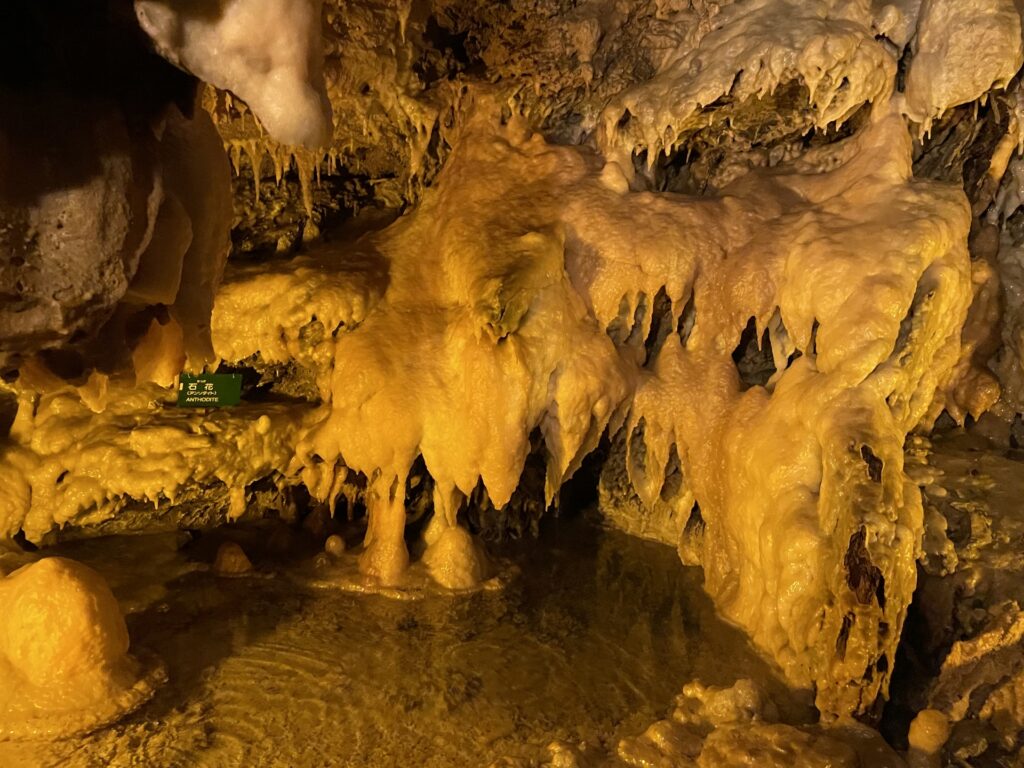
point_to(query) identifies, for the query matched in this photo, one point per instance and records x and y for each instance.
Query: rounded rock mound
(64, 663)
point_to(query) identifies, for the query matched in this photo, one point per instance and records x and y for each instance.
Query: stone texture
(78, 201)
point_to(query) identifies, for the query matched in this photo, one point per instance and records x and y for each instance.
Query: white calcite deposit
(266, 51)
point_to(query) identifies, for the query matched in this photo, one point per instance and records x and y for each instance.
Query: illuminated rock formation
(754, 331)
(528, 308)
(72, 464)
(736, 726)
(115, 194)
(64, 653)
(266, 51)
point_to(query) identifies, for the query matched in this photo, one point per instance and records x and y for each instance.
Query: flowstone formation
(507, 282)
(733, 257)
(732, 726)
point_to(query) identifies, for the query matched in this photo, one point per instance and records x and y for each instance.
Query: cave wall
(752, 245)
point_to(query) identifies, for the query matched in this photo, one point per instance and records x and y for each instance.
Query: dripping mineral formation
(724, 265)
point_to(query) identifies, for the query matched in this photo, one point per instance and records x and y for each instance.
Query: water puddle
(590, 641)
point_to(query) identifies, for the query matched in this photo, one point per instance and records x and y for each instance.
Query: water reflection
(590, 641)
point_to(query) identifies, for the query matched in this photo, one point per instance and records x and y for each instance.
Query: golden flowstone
(64, 662)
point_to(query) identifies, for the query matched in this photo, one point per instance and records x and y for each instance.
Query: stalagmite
(452, 557)
(736, 726)
(385, 556)
(928, 733)
(64, 653)
(231, 560)
(335, 545)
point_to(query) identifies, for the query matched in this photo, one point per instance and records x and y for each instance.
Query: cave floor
(590, 639)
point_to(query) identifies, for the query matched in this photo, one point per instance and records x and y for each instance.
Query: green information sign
(209, 390)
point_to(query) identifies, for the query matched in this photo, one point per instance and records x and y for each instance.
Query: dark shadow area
(754, 360)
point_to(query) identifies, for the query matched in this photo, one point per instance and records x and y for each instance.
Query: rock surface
(64, 653)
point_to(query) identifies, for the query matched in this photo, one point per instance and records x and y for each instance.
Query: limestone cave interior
(512, 383)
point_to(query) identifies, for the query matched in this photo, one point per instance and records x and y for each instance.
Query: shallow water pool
(590, 639)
